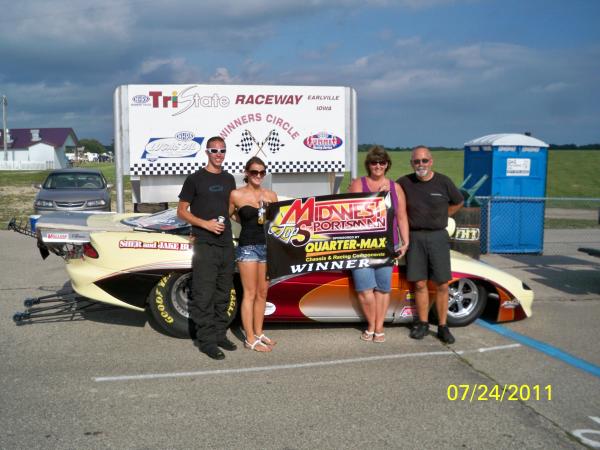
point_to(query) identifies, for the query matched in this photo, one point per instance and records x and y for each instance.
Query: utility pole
(4, 137)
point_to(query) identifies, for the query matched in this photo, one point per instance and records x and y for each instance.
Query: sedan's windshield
(75, 180)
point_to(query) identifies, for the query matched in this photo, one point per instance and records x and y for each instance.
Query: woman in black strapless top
(249, 203)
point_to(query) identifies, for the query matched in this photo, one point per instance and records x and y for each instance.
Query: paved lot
(111, 381)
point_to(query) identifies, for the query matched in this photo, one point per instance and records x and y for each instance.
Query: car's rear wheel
(168, 304)
(466, 302)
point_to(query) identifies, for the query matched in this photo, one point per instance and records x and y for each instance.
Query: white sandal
(379, 338)
(256, 343)
(367, 335)
(266, 340)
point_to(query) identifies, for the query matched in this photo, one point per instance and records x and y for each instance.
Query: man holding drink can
(204, 203)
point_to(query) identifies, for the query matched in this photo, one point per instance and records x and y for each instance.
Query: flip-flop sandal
(379, 338)
(266, 340)
(256, 345)
(367, 335)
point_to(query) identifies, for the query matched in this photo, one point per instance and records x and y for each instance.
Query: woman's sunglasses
(378, 163)
(419, 161)
(256, 173)
(216, 150)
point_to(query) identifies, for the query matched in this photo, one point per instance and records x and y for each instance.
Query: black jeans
(212, 281)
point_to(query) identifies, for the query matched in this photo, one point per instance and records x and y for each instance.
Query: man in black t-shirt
(204, 199)
(430, 198)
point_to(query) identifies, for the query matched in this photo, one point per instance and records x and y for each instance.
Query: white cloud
(361, 62)
(554, 87)
(222, 76)
(71, 22)
(177, 70)
(408, 42)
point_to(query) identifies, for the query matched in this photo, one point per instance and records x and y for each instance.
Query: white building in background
(37, 148)
(91, 156)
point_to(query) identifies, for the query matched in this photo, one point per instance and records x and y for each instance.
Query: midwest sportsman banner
(331, 232)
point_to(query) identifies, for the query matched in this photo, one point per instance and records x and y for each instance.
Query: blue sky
(437, 72)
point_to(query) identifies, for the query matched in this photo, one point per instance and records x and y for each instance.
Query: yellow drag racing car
(143, 262)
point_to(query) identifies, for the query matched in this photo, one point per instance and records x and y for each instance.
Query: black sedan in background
(73, 190)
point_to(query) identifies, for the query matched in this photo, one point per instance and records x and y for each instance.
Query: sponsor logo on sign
(140, 99)
(323, 141)
(297, 222)
(184, 135)
(183, 100)
(182, 145)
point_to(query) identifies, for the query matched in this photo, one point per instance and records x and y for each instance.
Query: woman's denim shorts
(251, 253)
(376, 278)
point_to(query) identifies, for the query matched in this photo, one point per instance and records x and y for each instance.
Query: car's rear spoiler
(53, 240)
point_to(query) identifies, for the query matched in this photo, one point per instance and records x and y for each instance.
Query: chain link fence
(528, 225)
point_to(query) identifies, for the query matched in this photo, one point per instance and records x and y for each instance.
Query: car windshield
(75, 180)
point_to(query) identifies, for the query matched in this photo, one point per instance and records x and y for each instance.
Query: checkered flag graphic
(247, 142)
(273, 141)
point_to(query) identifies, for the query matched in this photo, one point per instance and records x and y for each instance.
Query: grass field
(571, 173)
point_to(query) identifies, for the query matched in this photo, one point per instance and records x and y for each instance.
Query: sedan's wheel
(168, 304)
(466, 302)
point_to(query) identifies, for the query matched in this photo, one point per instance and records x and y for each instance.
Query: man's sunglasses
(378, 163)
(216, 150)
(419, 161)
(256, 173)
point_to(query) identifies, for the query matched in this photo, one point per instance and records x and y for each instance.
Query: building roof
(513, 139)
(55, 137)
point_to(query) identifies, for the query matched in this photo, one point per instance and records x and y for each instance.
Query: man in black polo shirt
(206, 194)
(430, 198)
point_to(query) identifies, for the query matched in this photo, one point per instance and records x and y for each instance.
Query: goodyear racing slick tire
(168, 304)
(466, 302)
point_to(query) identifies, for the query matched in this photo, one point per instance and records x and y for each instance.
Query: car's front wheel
(466, 302)
(168, 304)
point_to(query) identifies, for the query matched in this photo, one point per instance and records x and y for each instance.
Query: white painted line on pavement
(152, 376)
(499, 347)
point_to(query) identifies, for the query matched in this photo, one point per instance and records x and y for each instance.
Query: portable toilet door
(517, 187)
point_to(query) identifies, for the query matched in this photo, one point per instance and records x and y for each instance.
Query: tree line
(366, 147)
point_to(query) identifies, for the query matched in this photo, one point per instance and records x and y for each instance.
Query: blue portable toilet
(516, 165)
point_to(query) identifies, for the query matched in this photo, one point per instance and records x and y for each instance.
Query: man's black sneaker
(444, 334)
(419, 330)
(226, 344)
(213, 352)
